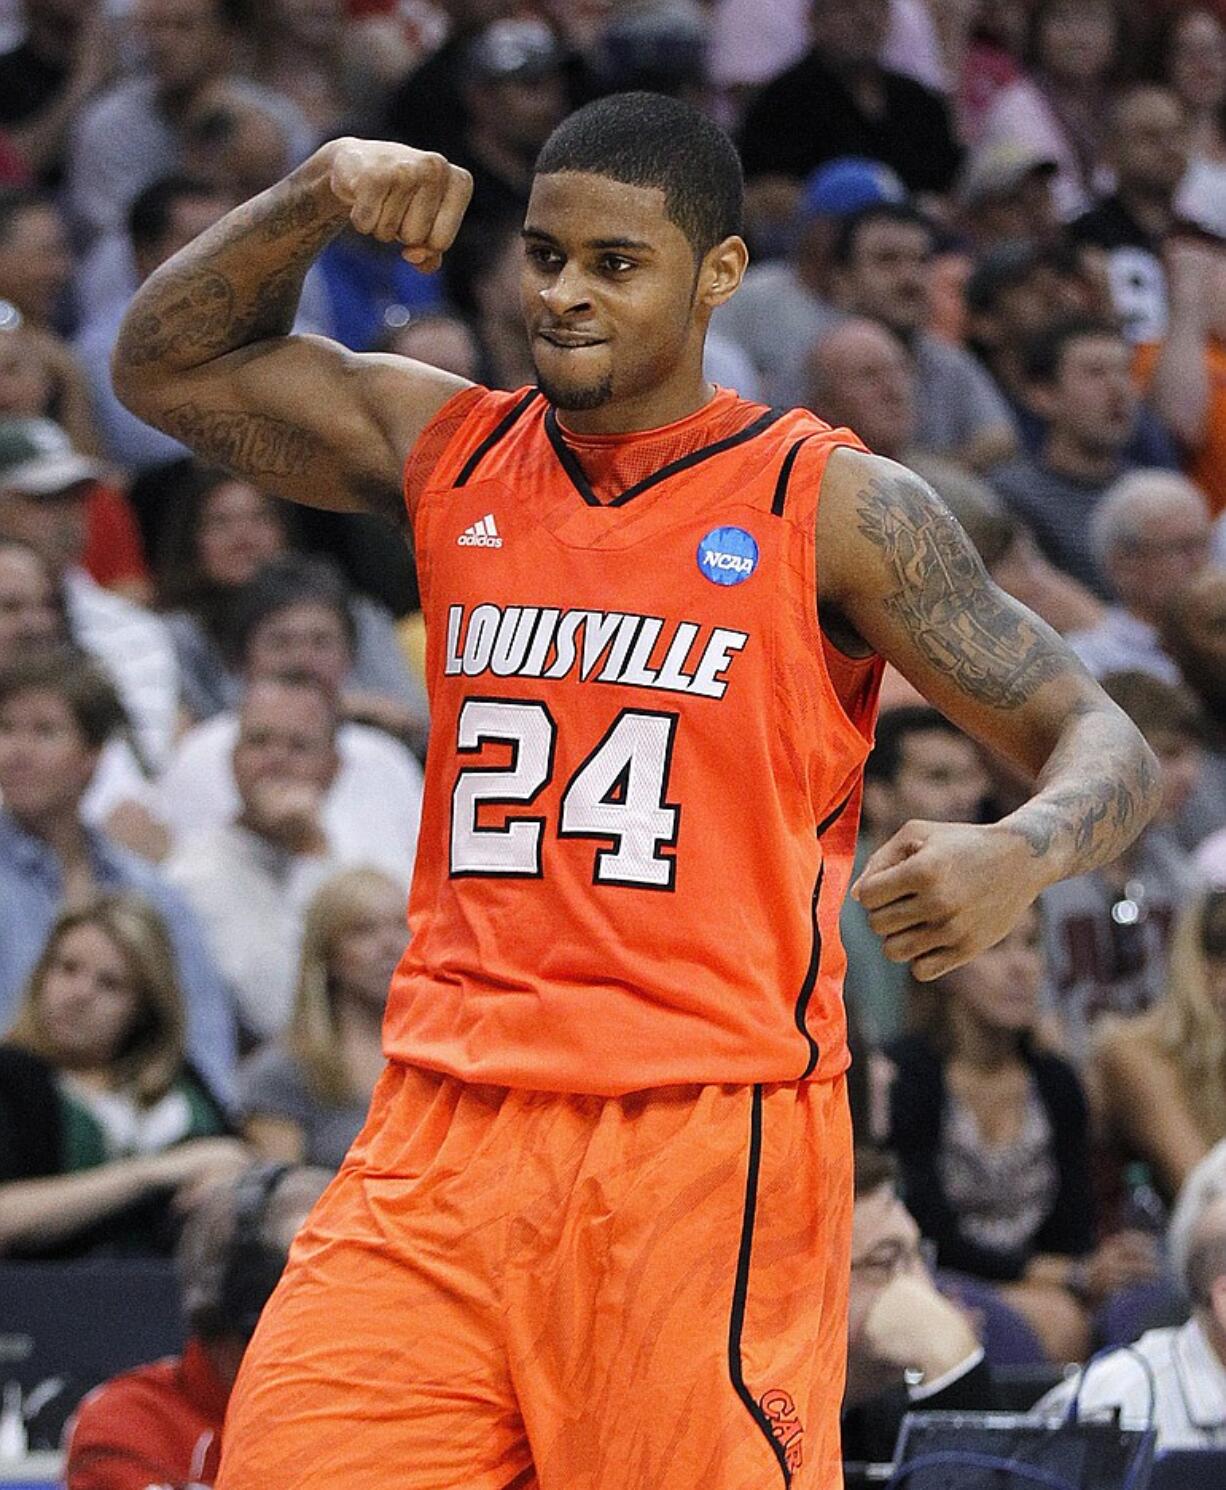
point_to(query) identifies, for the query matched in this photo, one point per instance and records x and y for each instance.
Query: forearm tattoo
(964, 626)
(1100, 785)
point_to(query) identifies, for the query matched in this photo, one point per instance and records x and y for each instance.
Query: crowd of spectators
(989, 236)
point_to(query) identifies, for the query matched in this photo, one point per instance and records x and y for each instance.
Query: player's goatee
(593, 396)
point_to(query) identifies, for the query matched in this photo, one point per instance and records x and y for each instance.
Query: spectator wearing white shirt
(371, 810)
(1149, 532)
(1181, 1368)
(249, 881)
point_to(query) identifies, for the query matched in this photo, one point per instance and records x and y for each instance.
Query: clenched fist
(938, 894)
(400, 195)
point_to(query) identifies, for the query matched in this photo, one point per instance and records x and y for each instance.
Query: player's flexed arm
(898, 568)
(205, 351)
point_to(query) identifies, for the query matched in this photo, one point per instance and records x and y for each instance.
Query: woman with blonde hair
(105, 1130)
(1160, 1077)
(304, 1099)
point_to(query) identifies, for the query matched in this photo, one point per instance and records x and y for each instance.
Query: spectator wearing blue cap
(783, 307)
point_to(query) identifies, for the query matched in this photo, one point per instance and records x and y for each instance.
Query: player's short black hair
(1043, 354)
(150, 212)
(892, 730)
(648, 139)
(854, 223)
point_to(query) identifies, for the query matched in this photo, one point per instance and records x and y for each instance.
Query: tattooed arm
(205, 351)
(897, 568)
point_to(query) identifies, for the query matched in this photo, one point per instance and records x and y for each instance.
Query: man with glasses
(908, 1344)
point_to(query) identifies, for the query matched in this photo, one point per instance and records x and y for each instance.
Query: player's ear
(723, 267)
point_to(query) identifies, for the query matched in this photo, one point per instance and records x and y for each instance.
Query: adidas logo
(482, 534)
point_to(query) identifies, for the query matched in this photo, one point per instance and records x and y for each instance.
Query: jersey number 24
(616, 795)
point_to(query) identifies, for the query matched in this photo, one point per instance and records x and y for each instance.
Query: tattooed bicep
(934, 587)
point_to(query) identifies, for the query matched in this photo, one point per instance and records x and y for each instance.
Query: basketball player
(594, 1235)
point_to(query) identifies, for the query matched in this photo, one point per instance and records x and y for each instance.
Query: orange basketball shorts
(511, 1288)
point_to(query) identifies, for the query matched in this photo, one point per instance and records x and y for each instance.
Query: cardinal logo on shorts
(785, 1424)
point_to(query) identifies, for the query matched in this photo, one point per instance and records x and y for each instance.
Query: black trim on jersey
(815, 955)
(570, 462)
(740, 1291)
(785, 475)
(496, 434)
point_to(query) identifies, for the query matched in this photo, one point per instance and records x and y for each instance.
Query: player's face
(610, 295)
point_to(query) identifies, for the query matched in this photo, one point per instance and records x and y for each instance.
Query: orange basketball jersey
(642, 788)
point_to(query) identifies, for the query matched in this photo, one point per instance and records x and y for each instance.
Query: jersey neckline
(564, 444)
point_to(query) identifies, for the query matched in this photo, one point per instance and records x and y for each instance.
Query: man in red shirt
(160, 1425)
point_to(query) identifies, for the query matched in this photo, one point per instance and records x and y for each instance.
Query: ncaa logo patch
(727, 556)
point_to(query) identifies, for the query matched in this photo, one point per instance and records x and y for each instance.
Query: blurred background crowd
(988, 235)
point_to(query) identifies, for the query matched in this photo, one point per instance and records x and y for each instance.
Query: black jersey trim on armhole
(785, 475)
(815, 955)
(740, 1290)
(496, 434)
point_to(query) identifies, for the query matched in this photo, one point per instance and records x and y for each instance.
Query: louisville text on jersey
(530, 641)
